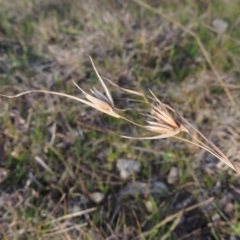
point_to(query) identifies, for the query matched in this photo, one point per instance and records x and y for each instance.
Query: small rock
(3, 174)
(233, 238)
(127, 166)
(173, 175)
(149, 206)
(226, 204)
(43, 213)
(185, 202)
(97, 197)
(229, 208)
(75, 208)
(21, 231)
(217, 188)
(198, 59)
(137, 187)
(134, 188)
(216, 217)
(206, 207)
(159, 187)
(220, 25)
(167, 68)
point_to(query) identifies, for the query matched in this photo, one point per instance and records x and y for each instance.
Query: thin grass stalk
(221, 155)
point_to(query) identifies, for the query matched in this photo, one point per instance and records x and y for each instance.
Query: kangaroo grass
(165, 124)
(159, 120)
(162, 122)
(98, 101)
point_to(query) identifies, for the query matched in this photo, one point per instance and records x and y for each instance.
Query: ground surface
(59, 159)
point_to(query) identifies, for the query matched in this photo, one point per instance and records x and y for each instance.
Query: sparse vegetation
(60, 176)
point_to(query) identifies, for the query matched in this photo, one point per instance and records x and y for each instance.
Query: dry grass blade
(95, 103)
(71, 215)
(166, 135)
(214, 150)
(103, 84)
(98, 101)
(64, 230)
(125, 89)
(44, 165)
(171, 229)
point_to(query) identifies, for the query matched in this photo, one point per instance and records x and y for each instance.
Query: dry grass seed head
(161, 121)
(99, 101)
